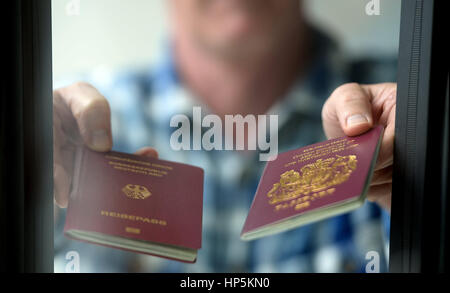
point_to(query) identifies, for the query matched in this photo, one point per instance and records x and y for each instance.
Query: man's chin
(244, 46)
(237, 41)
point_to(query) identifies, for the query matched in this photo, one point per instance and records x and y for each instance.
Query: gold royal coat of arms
(313, 177)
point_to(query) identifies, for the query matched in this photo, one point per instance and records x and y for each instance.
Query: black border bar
(26, 138)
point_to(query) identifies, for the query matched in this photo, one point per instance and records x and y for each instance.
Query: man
(237, 57)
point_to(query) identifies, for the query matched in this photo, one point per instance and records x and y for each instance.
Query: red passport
(136, 203)
(313, 183)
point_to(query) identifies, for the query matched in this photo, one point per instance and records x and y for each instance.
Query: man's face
(234, 26)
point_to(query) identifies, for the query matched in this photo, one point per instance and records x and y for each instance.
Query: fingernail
(100, 139)
(357, 119)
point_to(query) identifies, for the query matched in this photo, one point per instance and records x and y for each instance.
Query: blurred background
(91, 35)
(115, 34)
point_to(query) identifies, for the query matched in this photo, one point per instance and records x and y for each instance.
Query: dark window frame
(419, 224)
(26, 138)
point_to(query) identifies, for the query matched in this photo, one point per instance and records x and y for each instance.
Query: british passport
(135, 203)
(313, 183)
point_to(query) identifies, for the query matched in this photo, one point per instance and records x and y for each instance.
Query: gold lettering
(302, 205)
(133, 218)
(132, 230)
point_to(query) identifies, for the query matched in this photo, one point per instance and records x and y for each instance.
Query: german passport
(313, 183)
(135, 203)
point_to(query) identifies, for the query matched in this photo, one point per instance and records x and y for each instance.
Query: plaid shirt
(143, 103)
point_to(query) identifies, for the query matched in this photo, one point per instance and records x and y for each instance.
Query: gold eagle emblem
(313, 177)
(135, 191)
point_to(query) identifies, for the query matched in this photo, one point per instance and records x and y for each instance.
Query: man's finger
(382, 176)
(91, 112)
(348, 111)
(353, 109)
(381, 194)
(61, 186)
(147, 152)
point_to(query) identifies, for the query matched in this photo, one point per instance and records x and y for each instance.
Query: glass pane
(126, 74)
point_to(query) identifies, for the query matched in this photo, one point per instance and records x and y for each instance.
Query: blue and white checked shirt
(143, 103)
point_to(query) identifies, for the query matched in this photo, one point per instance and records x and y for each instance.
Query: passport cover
(313, 183)
(136, 203)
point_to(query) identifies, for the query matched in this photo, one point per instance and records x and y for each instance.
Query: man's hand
(81, 115)
(353, 109)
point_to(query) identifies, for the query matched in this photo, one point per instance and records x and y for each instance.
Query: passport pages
(136, 203)
(313, 183)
